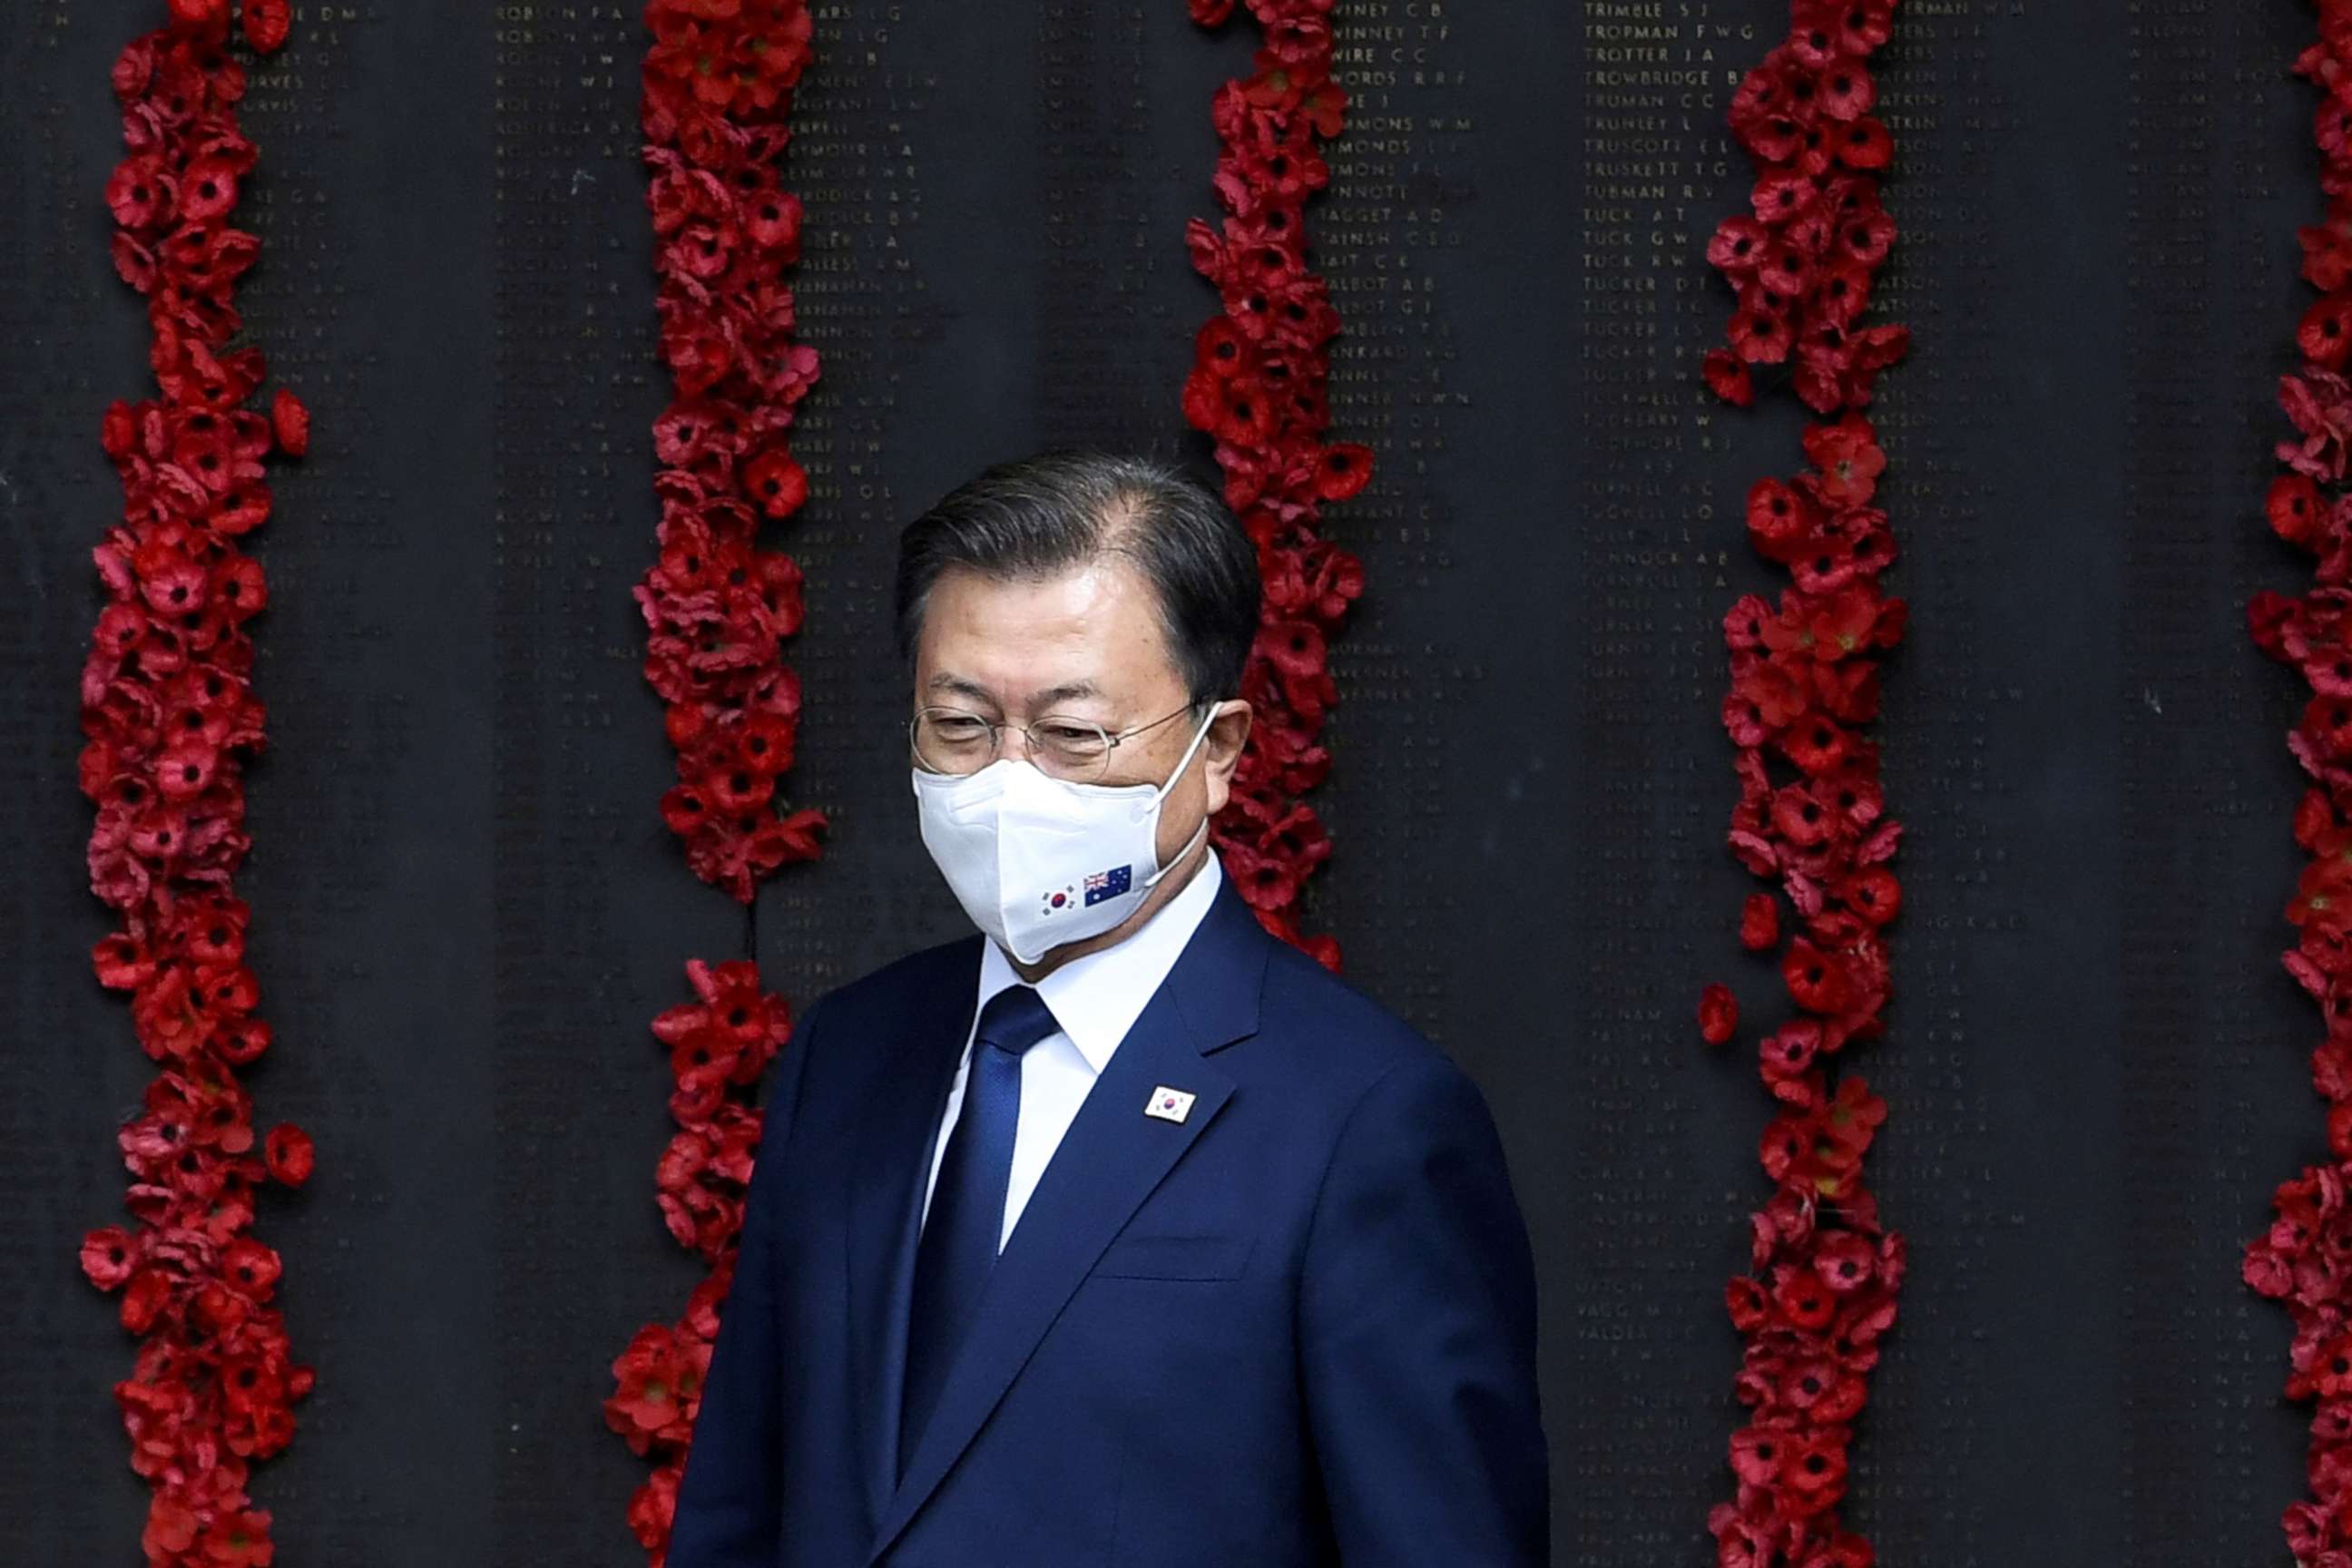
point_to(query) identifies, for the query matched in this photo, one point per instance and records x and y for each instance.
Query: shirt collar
(1098, 997)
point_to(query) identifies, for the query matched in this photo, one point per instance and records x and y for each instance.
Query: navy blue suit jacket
(1297, 1327)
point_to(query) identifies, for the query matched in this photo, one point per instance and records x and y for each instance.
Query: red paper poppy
(1257, 387)
(170, 721)
(2303, 1258)
(1728, 377)
(1718, 1013)
(717, 606)
(1803, 683)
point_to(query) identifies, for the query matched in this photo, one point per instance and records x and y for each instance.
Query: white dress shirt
(1096, 998)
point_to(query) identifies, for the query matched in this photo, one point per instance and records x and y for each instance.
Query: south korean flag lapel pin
(1169, 1104)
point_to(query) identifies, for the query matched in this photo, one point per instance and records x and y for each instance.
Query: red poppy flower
(1824, 1393)
(1757, 1453)
(1802, 1302)
(267, 24)
(2319, 404)
(1761, 337)
(1783, 269)
(1868, 233)
(1815, 980)
(2325, 730)
(2330, 1371)
(1847, 454)
(1864, 144)
(1718, 1013)
(1815, 1471)
(1298, 41)
(1346, 468)
(1777, 198)
(109, 1256)
(2325, 334)
(1844, 1261)
(238, 1539)
(1220, 349)
(1863, 24)
(1844, 89)
(1296, 650)
(1267, 882)
(1728, 377)
(1781, 521)
(1874, 893)
(659, 1377)
(1851, 1119)
(1838, 295)
(654, 1506)
(2331, 129)
(1760, 922)
(1785, 1062)
(1739, 246)
(2267, 1270)
(141, 192)
(289, 1154)
(1328, 578)
(1770, 695)
(1799, 818)
(772, 219)
(776, 483)
(208, 188)
(1763, 95)
(2327, 249)
(1748, 1304)
(290, 423)
(1240, 414)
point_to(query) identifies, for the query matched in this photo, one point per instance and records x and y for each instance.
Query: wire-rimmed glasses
(957, 741)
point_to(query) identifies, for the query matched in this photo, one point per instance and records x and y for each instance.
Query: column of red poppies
(1259, 385)
(1823, 1272)
(2302, 1260)
(715, 94)
(170, 717)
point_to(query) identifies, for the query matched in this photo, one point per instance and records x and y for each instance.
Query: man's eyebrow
(961, 687)
(1069, 691)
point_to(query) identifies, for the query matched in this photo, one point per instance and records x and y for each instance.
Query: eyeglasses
(958, 740)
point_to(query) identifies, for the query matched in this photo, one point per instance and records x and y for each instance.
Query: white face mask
(1038, 861)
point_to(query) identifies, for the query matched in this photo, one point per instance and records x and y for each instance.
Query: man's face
(1085, 645)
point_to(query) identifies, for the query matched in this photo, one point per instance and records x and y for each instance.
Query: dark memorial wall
(467, 909)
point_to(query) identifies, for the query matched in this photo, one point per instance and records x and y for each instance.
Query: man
(1121, 1233)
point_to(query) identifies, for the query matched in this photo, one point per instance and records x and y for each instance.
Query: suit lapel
(888, 1168)
(1105, 1165)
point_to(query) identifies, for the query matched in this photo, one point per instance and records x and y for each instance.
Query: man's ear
(1222, 749)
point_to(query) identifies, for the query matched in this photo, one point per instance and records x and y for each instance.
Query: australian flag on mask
(1108, 884)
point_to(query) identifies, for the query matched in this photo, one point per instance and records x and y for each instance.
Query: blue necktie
(967, 1215)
